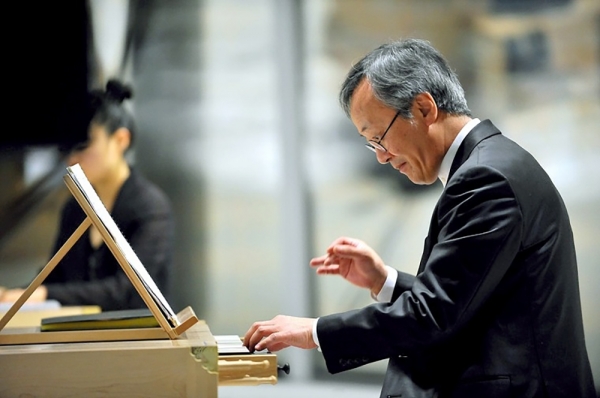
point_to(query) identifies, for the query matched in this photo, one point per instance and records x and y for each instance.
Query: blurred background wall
(238, 118)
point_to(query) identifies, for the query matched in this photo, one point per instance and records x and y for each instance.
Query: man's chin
(419, 180)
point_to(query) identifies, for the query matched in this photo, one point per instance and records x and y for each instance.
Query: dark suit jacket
(494, 310)
(94, 277)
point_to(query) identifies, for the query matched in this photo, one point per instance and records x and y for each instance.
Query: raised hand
(353, 260)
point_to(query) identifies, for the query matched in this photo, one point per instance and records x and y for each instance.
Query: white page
(80, 179)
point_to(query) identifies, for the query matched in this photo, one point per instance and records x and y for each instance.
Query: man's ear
(123, 137)
(426, 107)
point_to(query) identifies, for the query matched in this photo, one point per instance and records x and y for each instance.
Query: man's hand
(279, 333)
(355, 261)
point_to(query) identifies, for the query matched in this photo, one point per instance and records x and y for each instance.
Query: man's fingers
(348, 250)
(315, 262)
(256, 333)
(328, 270)
(340, 248)
(274, 347)
(326, 260)
(345, 240)
(248, 336)
(271, 343)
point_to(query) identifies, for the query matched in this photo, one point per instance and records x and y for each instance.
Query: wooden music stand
(171, 325)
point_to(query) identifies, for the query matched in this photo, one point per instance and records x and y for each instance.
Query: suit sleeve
(478, 236)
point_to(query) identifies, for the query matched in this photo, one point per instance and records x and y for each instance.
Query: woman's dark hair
(107, 109)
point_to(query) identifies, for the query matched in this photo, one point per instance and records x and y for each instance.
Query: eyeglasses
(376, 145)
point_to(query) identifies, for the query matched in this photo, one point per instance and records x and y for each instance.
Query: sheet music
(80, 179)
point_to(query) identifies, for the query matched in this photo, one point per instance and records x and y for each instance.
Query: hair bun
(118, 91)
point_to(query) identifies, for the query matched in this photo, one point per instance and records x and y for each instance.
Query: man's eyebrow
(374, 138)
(362, 130)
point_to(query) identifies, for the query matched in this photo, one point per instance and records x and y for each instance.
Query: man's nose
(383, 157)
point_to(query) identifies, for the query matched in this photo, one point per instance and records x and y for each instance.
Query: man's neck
(452, 126)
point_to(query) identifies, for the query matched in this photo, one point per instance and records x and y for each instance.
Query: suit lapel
(479, 133)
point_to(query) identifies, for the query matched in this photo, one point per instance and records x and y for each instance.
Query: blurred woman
(89, 274)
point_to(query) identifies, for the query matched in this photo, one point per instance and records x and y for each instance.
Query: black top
(94, 277)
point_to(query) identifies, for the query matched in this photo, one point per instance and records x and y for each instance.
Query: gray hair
(400, 70)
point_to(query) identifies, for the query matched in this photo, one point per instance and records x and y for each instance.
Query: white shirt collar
(449, 156)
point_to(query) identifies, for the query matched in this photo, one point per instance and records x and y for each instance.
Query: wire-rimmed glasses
(376, 145)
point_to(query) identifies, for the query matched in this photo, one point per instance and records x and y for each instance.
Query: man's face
(410, 147)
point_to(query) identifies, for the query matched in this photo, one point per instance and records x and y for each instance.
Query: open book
(80, 179)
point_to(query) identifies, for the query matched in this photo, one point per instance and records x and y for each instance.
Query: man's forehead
(365, 108)
(365, 101)
(363, 94)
